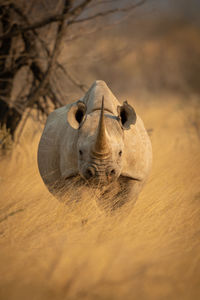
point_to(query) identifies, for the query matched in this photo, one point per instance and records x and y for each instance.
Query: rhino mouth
(92, 182)
(97, 182)
(134, 178)
(131, 178)
(76, 178)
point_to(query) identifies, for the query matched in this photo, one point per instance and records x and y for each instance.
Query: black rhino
(96, 143)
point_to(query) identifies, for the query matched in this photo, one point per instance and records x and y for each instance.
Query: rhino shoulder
(58, 114)
(51, 156)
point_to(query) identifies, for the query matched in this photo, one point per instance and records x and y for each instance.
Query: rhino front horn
(101, 148)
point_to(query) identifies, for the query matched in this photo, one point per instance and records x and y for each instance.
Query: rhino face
(100, 141)
(100, 161)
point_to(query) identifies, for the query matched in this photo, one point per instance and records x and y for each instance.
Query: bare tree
(31, 37)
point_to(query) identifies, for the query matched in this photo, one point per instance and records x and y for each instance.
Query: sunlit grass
(50, 250)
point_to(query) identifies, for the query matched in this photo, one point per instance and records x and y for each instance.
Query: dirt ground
(49, 251)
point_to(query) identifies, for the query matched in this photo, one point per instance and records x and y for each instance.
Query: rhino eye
(80, 152)
(120, 153)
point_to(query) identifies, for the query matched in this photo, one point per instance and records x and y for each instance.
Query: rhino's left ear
(127, 115)
(76, 114)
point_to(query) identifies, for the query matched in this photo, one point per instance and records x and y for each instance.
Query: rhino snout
(89, 173)
(110, 174)
(98, 175)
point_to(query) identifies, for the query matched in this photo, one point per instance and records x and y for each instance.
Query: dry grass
(5, 141)
(53, 251)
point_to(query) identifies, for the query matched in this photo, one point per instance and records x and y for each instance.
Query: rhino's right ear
(76, 114)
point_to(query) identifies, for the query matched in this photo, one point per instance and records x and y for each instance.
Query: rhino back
(93, 98)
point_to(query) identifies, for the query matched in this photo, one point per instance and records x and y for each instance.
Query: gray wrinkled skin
(115, 139)
(84, 145)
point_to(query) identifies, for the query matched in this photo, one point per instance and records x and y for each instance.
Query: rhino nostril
(90, 172)
(112, 172)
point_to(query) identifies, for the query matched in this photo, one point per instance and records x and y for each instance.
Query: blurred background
(156, 49)
(137, 47)
(148, 52)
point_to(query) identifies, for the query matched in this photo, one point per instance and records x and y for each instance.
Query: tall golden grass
(50, 250)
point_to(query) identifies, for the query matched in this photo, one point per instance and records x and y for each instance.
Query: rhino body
(95, 143)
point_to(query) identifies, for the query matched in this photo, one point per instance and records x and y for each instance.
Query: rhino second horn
(101, 148)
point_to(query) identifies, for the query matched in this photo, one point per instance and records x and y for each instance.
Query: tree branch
(93, 29)
(44, 81)
(74, 13)
(109, 12)
(49, 20)
(83, 87)
(25, 19)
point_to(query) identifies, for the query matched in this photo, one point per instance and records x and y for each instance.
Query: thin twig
(49, 20)
(108, 12)
(81, 86)
(83, 32)
(76, 11)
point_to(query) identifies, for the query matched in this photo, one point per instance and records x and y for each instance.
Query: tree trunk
(9, 116)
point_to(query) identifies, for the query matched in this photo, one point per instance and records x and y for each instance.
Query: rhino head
(92, 141)
(100, 141)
